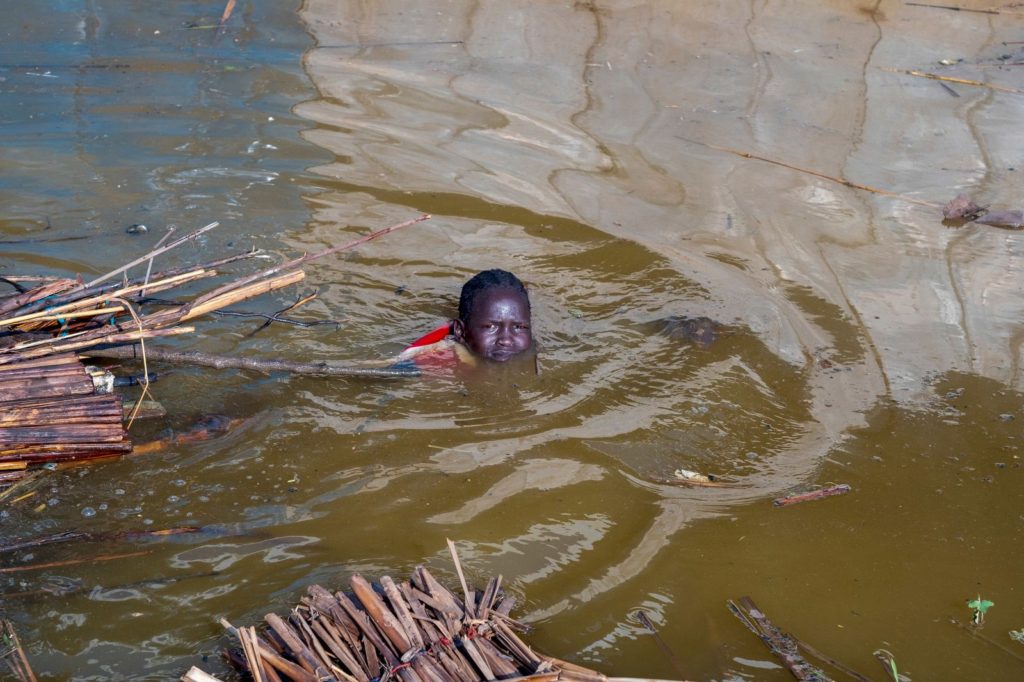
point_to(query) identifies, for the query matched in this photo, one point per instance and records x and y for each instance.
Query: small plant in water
(1017, 635)
(888, 661)
(980, 606)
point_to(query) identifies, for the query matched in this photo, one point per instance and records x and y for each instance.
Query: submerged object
(701, 331)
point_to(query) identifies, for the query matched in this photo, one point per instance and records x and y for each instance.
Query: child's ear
(458, 330)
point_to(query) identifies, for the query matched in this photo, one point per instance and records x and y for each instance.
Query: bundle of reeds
(49, 413)
(413, 631)
(48, 410)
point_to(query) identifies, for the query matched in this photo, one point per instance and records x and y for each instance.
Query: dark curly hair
(486, 281)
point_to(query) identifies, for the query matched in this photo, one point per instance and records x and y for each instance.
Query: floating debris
(840, 489)
(964, 208)
(409, 631)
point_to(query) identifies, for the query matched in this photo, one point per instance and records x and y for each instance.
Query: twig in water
(950, 79)
(953, 8)
(974, 632)
(149, 265)
(228, 9)
(780, 643)
(206, 302)
(73, 535)
(641, 615)
(823, 176)
(818, 494)
(152, 254)
(274, 318)
(462, 577)
(72, 562)
(14, 654)
(222, 24)
(830, 661)
(41, 240)
(228, 362)
(20, 289)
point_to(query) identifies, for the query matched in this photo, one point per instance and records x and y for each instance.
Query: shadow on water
(692, 310)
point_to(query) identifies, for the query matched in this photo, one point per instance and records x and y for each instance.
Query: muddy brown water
(860, 340)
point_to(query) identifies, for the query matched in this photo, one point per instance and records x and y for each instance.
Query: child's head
(494, 316)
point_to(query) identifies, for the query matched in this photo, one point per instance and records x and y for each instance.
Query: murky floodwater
(860, 340)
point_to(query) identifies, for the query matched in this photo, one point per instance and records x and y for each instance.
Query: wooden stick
(266, 366)
(669, 654)
(41, 292)
(470, 611)
(252, 655)
(829, 491)
(84, 340)
(298, 650)
(228, 9)
(267, 653)
(313, 640)
(152, 254)
(953, 8)
(340, 651)
(380, 614)
(345, 629)
(207, 303)
(379, 643)
(402, 610)
(808, 171)
(780, 643)
(149, 265)
(950, 79)
(72, 562)
(831, 661)
(19, 665)
(75, 535)
(296, 262)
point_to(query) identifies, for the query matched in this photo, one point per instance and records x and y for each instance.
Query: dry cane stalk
(252, 656)
(340, 652)
(401, 609)
(344, 629)
(291, 640)
(470, 611)
(388, 624)
(296, 262)
(152, 254)
(313, 641)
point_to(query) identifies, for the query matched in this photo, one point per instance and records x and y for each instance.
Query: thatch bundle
(412, 631)
(49, 413)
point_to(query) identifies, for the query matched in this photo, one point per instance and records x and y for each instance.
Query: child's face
(498, 327)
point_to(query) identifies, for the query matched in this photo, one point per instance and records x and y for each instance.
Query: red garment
(437, 352)
(439, 334)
